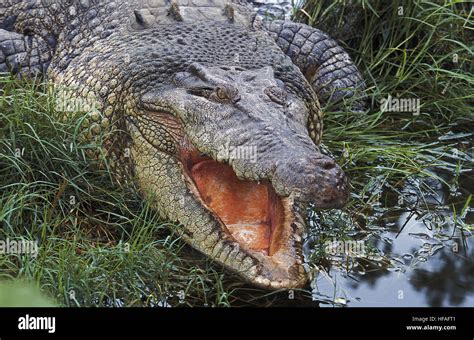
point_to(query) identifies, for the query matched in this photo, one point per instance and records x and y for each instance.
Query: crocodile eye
(225, 94)
(276, 94)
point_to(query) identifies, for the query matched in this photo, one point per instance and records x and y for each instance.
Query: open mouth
(255, 216)
(252, 212)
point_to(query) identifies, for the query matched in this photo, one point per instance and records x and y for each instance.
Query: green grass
(100, 244)
(18, 294)
(406, 56)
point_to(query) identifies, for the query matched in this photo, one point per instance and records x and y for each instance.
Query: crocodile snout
(317, 179)
(331, 189)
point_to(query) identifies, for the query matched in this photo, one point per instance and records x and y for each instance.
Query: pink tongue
(243, 206)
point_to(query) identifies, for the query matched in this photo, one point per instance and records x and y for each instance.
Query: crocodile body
(182, 88)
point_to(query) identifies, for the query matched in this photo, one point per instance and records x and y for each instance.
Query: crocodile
(211, 111)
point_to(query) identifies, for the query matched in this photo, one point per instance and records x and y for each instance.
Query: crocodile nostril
(326, 164)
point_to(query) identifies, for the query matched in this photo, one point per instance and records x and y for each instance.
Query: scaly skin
(175, 82)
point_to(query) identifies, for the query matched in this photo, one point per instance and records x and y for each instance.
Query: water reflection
(422, 258)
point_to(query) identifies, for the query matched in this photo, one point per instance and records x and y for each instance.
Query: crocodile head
(237, 170)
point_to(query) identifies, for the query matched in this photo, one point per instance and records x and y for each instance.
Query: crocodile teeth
(263, 281)
(280, 284)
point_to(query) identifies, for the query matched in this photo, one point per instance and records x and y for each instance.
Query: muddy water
(422, 255)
